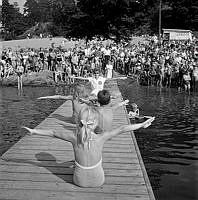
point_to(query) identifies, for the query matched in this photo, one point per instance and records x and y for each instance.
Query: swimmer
(19, 72)
(135, 111)
(88, 146)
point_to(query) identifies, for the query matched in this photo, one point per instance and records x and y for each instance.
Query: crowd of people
(169, 64)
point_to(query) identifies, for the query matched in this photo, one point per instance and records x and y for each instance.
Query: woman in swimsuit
(19, 72)
(88, 146)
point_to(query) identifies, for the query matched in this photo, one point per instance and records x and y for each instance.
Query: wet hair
(104, 97)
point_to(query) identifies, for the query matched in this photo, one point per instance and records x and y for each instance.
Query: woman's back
(88, 147)
(88, 151)
(91, 153)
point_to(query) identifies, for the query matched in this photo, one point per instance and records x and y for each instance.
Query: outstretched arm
(126, 128)
(115, 106)
(69, 97)
(79, 77)
(50, 133)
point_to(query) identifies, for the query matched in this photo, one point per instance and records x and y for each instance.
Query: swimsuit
(91, 167)
(133, 114)
(92, 176)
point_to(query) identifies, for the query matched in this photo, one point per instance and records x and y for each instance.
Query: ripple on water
(26, 110)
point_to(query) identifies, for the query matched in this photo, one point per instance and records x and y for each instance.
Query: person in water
(87, 145)
(134, 113)
(19, 72)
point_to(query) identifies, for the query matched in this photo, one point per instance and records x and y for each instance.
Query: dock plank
(37, 167)
(60, 195)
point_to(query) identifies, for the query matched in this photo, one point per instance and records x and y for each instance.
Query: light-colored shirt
(97, 84)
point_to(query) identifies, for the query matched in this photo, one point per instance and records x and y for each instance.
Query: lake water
(169, 147)
(18, 110)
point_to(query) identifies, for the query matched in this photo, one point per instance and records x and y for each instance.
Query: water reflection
(170, 146)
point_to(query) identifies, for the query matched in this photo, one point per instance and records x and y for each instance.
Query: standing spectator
(109, 68)
(187, 79)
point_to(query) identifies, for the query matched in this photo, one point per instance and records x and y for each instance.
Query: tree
(62, 12)
(31, 11)
(101, 17)
(12, 20)
(7, 14)
(107, 18)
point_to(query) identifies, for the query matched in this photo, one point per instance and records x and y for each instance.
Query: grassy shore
(37, 43)
(44, 78)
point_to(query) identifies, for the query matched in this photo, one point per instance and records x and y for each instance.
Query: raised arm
(126, 128)
(69, 97)
(50, 133)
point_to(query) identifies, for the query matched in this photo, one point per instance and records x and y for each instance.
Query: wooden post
(160, 19)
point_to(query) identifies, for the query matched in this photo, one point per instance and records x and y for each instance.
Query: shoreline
(44, 78)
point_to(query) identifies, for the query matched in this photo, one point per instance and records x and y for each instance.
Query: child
(88, 146)
(135, 111)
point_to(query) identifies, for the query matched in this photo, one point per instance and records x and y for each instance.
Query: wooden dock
(40, 168)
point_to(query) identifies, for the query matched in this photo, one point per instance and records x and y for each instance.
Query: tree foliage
(107, 18)
(12, 20)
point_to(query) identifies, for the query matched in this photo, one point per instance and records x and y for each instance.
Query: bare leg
(21, 83)
(18, 82)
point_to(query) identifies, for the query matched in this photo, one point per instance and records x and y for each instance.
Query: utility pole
(160, 19)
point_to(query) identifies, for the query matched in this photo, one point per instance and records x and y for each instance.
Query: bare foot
(30, 131)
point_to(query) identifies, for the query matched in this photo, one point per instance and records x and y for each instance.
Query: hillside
(35, 31)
